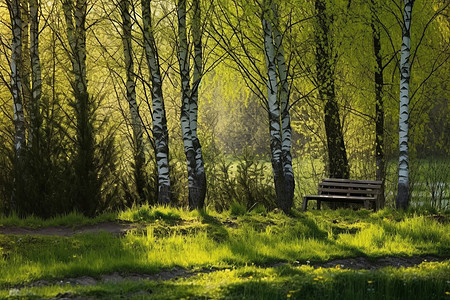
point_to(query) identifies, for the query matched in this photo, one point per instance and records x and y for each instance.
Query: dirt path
(111, 227)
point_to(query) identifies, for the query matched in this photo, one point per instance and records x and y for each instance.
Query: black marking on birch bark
(160, 132)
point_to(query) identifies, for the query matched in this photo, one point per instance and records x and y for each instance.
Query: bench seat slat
(377, 182)
(348, 191)
(339, 197)
(349, 185)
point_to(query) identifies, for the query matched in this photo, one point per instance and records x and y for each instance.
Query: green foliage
(237, 209)
(240, 182)
(146, 214)
(95, 180)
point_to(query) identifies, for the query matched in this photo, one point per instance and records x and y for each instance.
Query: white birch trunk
(16, 82)
(405, 73)
(273, 108)
(160, 131)
(200, 175)
(138, 144)
(183, 58)
(284, 93)
(189, 104)
(75, 17)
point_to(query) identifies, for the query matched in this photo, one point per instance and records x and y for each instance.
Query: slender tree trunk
(379, 106)
(160, 131)
(138, 143)
(75, 16)
(197, 200)
(325, 64)
(25, 70)
(36, 80)
(283, 95)
(278, 108)
(274, 109)
(189, 107)
(87, 190)
(16, 90)
(16, 81)
(402, 200)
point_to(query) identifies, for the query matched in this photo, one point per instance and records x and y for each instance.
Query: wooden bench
(346, 191)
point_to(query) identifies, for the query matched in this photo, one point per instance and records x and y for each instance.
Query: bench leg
(305, 203)
(318, 204)
(367, 204)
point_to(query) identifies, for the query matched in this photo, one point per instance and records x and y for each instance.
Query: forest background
(81, 149)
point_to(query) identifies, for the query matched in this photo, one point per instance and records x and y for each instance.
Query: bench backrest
(350, 187)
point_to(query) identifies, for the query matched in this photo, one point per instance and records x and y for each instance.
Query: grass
(71, 219)
(251, 243)
(426, 281)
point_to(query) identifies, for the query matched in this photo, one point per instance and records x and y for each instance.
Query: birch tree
(189, 102)
(325, 73)
(86, 188)
(278, 104)
(160, 132)
(75, 17)
(138, 142)
(402, 200)
(16, 81)
(17, 93)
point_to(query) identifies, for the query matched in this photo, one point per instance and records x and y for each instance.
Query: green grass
(71, 219)
(196, 240)
(426, 281)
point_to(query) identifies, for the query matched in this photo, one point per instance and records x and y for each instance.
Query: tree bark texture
(189, 107)
(36, 75)
(25, 70)
(16, 80)
(136, 125)
(325, 64)
(286, 131)
(379, 106)
(75, 17)
(278, 108)
(160, 131)
(402, 200)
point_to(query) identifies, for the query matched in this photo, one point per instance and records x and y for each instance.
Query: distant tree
(36, 75)
(326, 57)
(380, 160)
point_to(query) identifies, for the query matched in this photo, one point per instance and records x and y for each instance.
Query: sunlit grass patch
(170, 237)
(426, 281)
